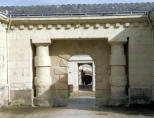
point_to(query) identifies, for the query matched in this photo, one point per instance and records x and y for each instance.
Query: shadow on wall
(60, 92)
(56, 96)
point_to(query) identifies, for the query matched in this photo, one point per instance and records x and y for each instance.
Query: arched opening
(81, 77)
(80, 52)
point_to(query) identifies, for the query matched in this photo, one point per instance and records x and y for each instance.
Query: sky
(59, 2)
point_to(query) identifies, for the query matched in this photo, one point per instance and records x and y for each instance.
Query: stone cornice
(68, 23)
(78, 25)
(73, 20)
(79, 19)
(3, 19)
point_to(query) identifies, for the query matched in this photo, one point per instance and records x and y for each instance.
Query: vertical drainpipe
(152, 28)
(9, 25)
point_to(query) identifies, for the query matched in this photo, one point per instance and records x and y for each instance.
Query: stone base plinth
(3, 96)
(140, 95)
(21, 97)
(60, 102)
(101, 101)
(118, 101)
(43, 102)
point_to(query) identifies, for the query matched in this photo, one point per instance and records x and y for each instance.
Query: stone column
(43, 77)
(118, 76)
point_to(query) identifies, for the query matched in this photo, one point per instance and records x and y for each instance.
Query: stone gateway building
(35, 53)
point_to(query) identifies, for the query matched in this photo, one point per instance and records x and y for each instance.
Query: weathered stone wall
(20, 73)
(62, 50)
(65, 35)
(140, 65)
(3, 67)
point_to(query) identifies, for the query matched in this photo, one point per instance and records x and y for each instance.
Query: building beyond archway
(74, 72)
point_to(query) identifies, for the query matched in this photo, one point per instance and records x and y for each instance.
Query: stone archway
(62, 50)
(107, 91)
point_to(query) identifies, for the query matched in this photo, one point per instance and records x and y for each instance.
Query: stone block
(24, 84)
(107, 25)
(43, 71)
(60, 70)
(63, 78)
(62, 93)
(63, 63)
(18, 43)
(43, 102)
(104, 69)
(117, 60)
(60, 102)
(55, 60)
(101, 101)
(102, 85)
(118, 91)
(21, 97)
(3, 96)
(140, 95)
(118, 101)
(49, 26)
(102, 93)
(65, 56)
(118, 81)
(127, 24)
(61, 85)
(55, 79)
(52, 70)
(42, 61)
(60, 98)
(21, 27)
(98, 62)
(43, 81)
(102, 78)
(99, 77)
(37, 39)
(30, 27)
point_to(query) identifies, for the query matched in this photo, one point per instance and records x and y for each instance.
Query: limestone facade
(34, 55)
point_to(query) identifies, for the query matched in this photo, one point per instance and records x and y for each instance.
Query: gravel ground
(79, 108)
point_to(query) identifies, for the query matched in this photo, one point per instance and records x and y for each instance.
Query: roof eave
(3, 18)
(78, 19)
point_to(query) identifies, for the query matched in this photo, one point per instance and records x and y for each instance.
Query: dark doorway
(85, 77)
